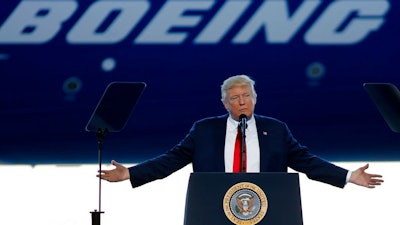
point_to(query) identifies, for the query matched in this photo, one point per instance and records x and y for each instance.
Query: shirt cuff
(348, 176)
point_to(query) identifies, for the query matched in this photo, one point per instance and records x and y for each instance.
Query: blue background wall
(50, 88)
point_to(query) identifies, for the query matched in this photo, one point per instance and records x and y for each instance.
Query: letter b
(36, 22)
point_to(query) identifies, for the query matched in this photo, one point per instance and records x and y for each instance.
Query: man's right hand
(119, 173)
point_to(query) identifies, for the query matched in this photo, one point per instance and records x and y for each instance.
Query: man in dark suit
(270, 147)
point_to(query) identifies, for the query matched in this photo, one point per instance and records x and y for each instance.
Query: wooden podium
(243, 198)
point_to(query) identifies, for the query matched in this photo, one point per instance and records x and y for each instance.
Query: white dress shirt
(252, 145)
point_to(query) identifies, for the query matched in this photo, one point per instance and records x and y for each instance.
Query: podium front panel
(207, 194)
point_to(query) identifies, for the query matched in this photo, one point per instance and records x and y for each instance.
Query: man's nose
(241, 100)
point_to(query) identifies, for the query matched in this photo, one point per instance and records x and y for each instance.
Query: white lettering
(172, 15)
(325, 30)
(342, 22)
(273, 17)
(222, 22)
(128, 15)
(36, 22)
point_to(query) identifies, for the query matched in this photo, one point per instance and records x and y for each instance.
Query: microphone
(243, 158)
(243, 122)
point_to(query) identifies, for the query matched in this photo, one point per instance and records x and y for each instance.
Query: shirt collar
(233, 124)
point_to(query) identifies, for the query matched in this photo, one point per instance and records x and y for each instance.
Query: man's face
(240, 100)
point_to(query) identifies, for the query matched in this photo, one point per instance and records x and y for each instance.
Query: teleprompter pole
(100, 134)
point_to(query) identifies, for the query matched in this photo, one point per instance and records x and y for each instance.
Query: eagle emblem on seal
(245, 204)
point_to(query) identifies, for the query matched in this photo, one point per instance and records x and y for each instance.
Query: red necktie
(238, 152)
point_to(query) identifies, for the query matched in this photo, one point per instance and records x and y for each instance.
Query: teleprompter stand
(386, 98)
(111, 115)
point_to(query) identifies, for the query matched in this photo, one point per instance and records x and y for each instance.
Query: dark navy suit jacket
(204, 147)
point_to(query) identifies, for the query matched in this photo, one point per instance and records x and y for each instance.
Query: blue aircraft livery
(309, 60)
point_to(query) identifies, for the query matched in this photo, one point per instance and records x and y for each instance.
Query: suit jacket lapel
(220, 143)
(262, 141)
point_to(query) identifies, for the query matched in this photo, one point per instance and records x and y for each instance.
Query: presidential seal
(245, 204)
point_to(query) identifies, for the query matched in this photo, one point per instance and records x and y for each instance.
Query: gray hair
(237, 81)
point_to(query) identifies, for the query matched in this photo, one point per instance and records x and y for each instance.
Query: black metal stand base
(96, 217)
